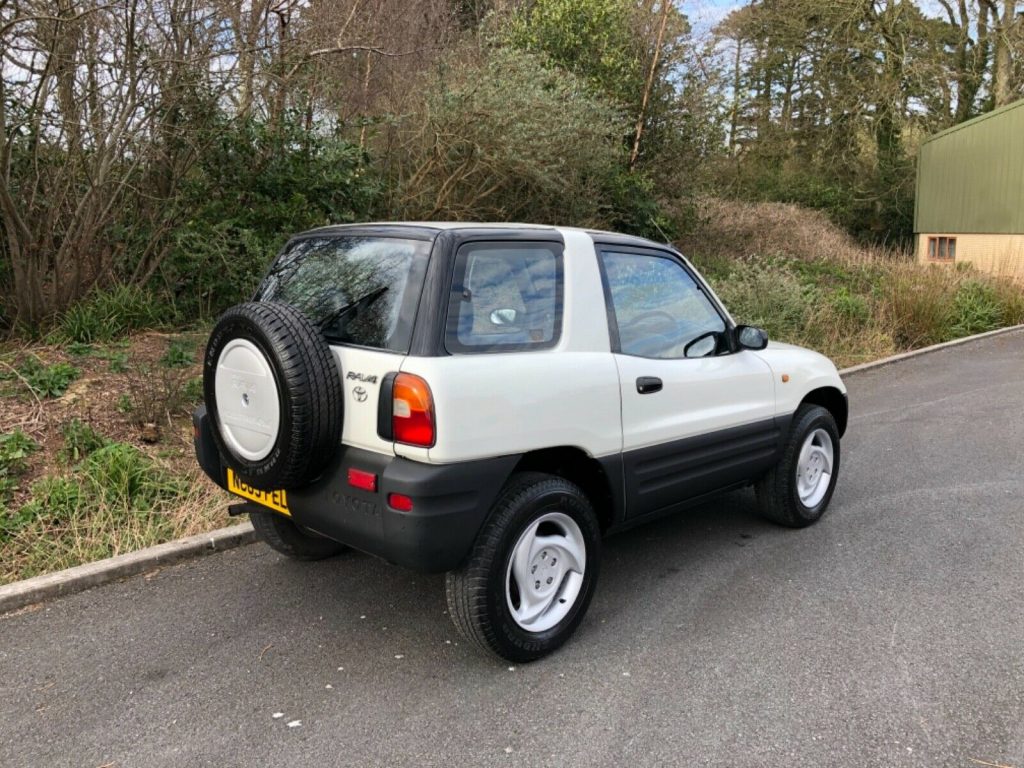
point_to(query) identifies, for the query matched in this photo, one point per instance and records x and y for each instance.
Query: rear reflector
(412, 413)
(400, 501)
(366, 481)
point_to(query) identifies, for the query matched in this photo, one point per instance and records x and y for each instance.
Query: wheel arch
(832, 400)
(600, 480)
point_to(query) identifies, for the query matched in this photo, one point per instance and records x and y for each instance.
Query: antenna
(660, 230)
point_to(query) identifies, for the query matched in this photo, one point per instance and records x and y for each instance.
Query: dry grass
(743, 229)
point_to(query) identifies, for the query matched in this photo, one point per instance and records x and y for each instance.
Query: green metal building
(970, 193)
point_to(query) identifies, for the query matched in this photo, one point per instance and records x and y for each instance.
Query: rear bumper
(450, 502)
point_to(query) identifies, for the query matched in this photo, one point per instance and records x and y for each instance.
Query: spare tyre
(273, 392)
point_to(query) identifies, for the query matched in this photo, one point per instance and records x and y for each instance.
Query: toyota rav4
(490, 401)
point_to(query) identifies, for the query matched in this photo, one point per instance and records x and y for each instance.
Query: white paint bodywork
(359, 426)
(807, 370)
(578, 393)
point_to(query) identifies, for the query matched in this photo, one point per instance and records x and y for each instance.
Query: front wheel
(796, 491)
(529, 579)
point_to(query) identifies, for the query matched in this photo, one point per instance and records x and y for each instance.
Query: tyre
(797, 491)
(284, 536)
(529, 579)
(274, 394)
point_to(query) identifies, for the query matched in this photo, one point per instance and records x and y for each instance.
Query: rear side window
(359, 290)
(505, 297)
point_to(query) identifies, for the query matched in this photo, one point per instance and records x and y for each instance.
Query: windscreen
(358, 290)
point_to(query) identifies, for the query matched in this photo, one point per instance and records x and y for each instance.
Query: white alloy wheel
(545, 572)
(248, 404)
(814, 468)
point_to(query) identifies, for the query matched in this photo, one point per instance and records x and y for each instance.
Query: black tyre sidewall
(814, 418)
(517, 643)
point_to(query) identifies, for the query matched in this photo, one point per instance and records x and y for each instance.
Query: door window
(657, 307)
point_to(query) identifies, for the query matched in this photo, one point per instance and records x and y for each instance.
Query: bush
(15, 448)
(108, 314)
(80, 440)
(505, 136)
(158, 391)
(768, 294)
(56, 499)
(255, 186)
(851, 307)
(976, 309)
(120, 474)
(180, 354)
(47, 380)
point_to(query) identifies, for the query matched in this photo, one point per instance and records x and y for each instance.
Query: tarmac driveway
(891, 634)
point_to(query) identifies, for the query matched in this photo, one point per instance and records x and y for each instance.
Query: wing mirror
(749, 337)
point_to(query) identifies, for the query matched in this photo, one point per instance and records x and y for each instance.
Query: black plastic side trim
(614, 470)
(663, 476)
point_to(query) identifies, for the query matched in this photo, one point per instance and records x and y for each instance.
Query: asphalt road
(891, 634)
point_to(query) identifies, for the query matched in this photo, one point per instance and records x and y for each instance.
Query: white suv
(491, 400)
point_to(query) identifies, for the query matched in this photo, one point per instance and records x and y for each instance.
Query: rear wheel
(284, 536)
(797, 491)
(530, 577)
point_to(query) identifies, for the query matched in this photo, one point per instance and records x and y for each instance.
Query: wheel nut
(550, 579)
(534, 569)
(536, 585)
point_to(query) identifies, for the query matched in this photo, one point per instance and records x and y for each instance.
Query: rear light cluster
(412, 411)
(406, 415)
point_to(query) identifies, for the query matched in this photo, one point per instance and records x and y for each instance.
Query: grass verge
(103, 466)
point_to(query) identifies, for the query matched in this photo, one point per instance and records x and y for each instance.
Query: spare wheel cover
(248, 402)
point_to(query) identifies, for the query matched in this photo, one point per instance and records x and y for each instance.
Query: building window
(942, 248)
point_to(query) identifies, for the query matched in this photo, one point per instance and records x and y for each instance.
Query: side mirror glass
(749, 337)
(504, 317)
(702, 346)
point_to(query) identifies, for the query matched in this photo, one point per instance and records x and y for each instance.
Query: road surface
(891, 634)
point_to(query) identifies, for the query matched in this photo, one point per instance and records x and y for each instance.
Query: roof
(970, 178)
(430, 229)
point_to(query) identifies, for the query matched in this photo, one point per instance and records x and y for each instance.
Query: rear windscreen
(358, 290)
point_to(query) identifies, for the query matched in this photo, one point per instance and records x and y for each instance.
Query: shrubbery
(504, 135)
(112, 312)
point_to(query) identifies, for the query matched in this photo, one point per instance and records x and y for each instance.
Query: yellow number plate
(275, 500)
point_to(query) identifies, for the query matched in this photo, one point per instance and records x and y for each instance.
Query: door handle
(647, 385)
